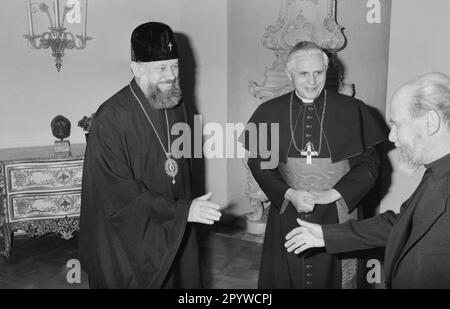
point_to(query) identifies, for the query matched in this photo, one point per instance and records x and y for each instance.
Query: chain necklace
(296, 122)
(321, 123)
(170, 166)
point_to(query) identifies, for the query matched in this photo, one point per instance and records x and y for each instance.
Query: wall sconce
(57, 38)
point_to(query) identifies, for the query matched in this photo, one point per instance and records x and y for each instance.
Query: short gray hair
(431, 91)
(306, 48)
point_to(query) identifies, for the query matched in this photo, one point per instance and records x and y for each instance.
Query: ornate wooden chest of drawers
(40, 195)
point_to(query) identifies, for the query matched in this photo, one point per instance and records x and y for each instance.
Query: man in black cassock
(417, 240)
(327, 164)
(136, 207)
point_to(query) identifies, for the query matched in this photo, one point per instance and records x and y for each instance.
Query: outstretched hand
(204, 211)
(307, 235)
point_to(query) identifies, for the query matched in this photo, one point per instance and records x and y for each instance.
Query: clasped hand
(304, 201)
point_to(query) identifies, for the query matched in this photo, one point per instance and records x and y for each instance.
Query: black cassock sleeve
(354, 185)
(359, 235)
(270, 181)
(149, 225)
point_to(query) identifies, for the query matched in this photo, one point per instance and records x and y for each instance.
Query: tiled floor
(229, 255)
(231, 259)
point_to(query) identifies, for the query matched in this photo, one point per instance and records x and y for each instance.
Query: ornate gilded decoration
(39, 197)
(42, 176)
(65, 227)
(63, 176)
(5, 227)
(23, 207)
(44, 205)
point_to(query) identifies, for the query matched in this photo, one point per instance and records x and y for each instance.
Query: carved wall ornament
(298, 20)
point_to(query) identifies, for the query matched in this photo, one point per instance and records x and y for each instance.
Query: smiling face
(407, 133)
(160, 74)
(307, 71)
(159, 82)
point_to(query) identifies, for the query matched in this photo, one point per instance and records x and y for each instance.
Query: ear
(433, 122)
(288, 74)
(135, 68)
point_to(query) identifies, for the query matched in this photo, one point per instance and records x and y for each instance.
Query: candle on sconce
(30, 18)
(59, 38)
(84, 17)
(56, 6)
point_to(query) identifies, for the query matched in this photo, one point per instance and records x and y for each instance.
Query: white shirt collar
(303, 99)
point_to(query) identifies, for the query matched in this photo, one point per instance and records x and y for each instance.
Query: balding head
(429, 91)
(420, 118)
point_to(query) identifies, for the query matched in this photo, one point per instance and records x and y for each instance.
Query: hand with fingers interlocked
(303, 201)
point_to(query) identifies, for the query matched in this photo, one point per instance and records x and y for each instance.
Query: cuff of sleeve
(276, 195)
(331, 238)
(346, 195)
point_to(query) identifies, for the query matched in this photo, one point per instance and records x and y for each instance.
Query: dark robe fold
(349, 133)
(417, 240)
(133, 229)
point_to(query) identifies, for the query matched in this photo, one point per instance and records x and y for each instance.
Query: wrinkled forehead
(400, 103)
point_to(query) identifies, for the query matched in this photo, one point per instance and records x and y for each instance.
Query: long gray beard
(162, 100)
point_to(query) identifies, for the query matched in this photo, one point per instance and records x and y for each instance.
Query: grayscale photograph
(245, 146)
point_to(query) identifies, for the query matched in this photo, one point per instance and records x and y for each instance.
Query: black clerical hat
(153, 41)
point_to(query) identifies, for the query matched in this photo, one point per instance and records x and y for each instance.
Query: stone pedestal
(62, 149)
(257, 220)
(257, 227)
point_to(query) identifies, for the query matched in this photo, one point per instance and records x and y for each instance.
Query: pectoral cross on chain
(170, 46)
(309, 153)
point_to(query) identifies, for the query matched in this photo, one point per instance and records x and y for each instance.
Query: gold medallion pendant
(171, 168)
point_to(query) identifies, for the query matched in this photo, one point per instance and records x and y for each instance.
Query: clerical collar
(305, 101)
(440, 167)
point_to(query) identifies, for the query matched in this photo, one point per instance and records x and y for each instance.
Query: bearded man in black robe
(327, 165)
(137, 213)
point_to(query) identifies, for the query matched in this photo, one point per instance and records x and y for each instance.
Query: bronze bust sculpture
(60, 127)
